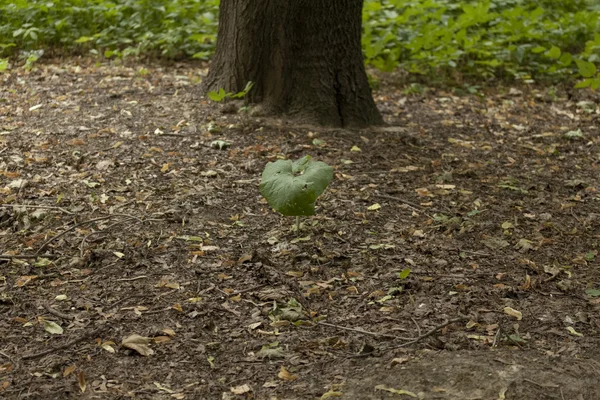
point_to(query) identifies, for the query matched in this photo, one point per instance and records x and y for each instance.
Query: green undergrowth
(119, 28)
(519, 39)
(439, 40)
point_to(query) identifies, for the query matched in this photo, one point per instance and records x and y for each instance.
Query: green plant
(437, 41)
(174, 29)
(521, 39)
(292, 188)
(222, 95)
(404, 273)
(31, 57)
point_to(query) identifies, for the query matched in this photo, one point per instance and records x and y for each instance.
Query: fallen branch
(37, 206)
(135, 278)
(427, 334)
(542, 385)
(250, 289)
(58, 313)
(357, 330)
(52, 239)
(81, 248)
(64, 346)
(418, 207)
(121, 300)
(26, 256)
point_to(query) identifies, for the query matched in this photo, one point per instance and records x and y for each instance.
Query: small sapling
(292, 188)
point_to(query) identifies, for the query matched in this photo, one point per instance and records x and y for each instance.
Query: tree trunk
(304, 57)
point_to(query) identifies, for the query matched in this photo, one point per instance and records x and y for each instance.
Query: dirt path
(481, 210)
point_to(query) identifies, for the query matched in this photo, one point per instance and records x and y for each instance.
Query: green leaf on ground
(593, 292)
(53, 328)
(270, 351)
(404, 273)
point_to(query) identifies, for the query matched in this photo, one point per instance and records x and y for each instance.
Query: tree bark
(304, 57)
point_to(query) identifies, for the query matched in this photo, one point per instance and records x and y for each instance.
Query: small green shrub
(437, 39)
(292, 188)
(221, 95)
(521, 39)
(166, 29)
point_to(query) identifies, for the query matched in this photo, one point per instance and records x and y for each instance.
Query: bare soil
(454, 256)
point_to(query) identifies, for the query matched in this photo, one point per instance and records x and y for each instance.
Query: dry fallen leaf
(139, 344)
(24, 280)
(245, 258)
(69, 370)
(169, 332)
(52, 327)
(285, 375)
(4, 368)
(395, 391)
(573, 332)
(163, 388)
(513, 313)
(254, 325)
(400, 360)
(108, 347)
(423, 192)
(331, 394)
(81, 381)
(241, 389)
(374, 207)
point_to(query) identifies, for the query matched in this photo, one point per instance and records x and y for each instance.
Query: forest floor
(454, 255)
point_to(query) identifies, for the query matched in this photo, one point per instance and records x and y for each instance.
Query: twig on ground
(417, 325)
(562, 396)
(9, 358)
(541, 385)
(477, 253)
(64, 346)
(58, 313)
(575, 216)
(414, 206)
(135, 278)
(401, 200)
(117, 302)
(52, 239)
(510, 339)
(82, 250)
(47, 276)
(118, 206)
(357, 330)
(250, 289)
(37, 206)
(497, 336)
(13, 361)
(427, 334)
(168, 134)
(27, 256)
(160, 310)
